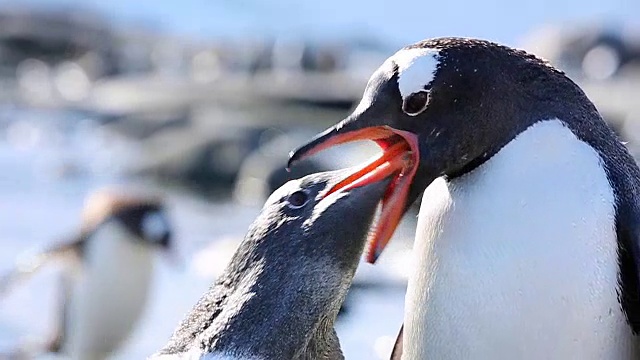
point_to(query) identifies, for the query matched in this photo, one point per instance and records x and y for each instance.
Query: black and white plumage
(528, 238)
(281, 292)
(107, 273)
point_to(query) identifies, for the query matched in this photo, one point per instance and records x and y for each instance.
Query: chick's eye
(298, 199)
(415, 103)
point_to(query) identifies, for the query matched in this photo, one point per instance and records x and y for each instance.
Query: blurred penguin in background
(108, 269)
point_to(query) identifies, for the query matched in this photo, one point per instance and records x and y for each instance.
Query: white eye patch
(154, 225)
(416, 69)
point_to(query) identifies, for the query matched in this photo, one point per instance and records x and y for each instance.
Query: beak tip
(293, 158)
(373, 255)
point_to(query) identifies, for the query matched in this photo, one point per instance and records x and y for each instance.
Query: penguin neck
(269, 308)
(111, 247)
(279, 310)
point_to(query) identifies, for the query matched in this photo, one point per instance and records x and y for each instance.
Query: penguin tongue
(400, 158)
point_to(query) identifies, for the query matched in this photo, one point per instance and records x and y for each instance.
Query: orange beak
(399, 158)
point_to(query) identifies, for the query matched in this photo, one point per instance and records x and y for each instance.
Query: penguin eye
(298, 199)
(415, 103)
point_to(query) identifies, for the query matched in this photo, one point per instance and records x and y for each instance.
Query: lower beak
(399, 158)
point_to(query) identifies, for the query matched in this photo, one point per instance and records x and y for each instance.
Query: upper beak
(399, 157)
(344, 132)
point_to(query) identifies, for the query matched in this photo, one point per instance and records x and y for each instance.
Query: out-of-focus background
(202, 101)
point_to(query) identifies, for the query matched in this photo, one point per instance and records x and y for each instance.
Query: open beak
(399, 158)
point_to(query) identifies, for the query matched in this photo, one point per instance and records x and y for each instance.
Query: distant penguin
(107, 273)
(280, 294)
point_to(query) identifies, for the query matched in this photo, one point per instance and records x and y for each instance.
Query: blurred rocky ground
(194, 110)
(221, 116)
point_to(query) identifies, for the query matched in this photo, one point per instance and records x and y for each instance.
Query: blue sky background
(402, 21)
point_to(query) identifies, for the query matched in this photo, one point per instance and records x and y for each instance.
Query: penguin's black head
(305, 224)
(148, 222)
(446, 105)
(140, 215)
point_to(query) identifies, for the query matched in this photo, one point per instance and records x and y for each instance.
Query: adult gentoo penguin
(281, 292)
(108, 270)
(527, 244)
